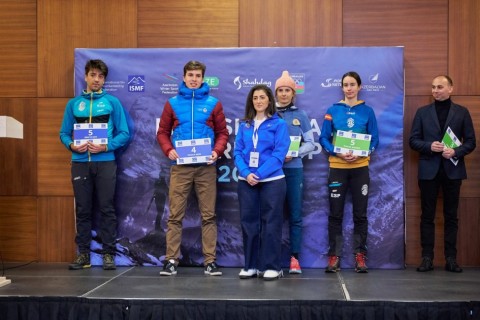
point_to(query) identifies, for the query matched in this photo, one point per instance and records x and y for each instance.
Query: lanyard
(256, 125)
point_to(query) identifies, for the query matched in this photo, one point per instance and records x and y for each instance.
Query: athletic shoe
(109, 262)
(81, 262)
(212, 269)
(247, 274)
(360, 265)
(333, 264)
(169, 268)
(294, 266)
(272, 275)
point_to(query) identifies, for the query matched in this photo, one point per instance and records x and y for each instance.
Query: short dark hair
(354, 75)
(250, 109)
(194, 65)
(449, 80)
(96, 64)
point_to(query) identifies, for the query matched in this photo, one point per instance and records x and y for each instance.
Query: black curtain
(73, 308)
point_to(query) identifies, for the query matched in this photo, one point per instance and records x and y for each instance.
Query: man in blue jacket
(441, 165)
(94, 169)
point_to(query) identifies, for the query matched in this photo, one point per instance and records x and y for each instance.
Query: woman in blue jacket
(261, 146)
(348, 171)
(299, 127)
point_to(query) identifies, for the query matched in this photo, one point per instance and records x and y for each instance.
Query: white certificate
(193, 151)
(94, 132)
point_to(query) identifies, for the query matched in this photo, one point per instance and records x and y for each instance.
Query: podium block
(10, 128)
(4, 281)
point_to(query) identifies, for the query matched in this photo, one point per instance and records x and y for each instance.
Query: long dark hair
(250, 109)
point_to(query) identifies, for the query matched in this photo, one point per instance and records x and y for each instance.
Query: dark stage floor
(44, 280)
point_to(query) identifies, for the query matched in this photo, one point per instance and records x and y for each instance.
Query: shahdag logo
(249, 83)
(237, 83)
(136, 83)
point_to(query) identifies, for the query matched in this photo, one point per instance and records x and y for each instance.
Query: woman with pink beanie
(298, 128)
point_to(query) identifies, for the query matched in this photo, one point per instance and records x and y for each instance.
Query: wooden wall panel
(464, 45)
(66, 25)
(468, 250)
(18, 170)
(53, 158)
(282, 23)
(18, 47)
(187, 23)
(56, 225)
(420, 26)
(18, 228)
(471, 186)
(412, 103)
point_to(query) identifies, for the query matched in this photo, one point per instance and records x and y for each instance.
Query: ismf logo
(136, 83)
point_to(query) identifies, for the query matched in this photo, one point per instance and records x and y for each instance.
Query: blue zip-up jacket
(95, 107)
(193, 114)
(298, 125)
(359, 118)
(272, 146)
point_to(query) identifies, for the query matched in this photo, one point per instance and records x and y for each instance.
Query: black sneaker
(81, 262)
(360, 263)
(109, 262)
(333, 264)
(169, 268)
(452, 265)
(426, 265)
(212, 269)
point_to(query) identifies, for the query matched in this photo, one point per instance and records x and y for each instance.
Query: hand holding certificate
(193, 151)
(451, 141)
(357, 144)
(96, 133)
(294, 146)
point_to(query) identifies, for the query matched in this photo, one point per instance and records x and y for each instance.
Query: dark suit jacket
(426, 129)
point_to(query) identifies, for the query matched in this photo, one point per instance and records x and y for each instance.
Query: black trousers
(429, 190)
(339, 181)
(95, 180)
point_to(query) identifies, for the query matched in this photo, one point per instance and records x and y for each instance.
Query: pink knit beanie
(285, 81)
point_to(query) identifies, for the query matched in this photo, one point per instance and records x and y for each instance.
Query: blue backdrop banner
(143, 79)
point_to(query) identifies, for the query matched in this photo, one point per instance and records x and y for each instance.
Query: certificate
(294, 146)
(193, 151)
(451, 141)
(94, 132)
(356, 143)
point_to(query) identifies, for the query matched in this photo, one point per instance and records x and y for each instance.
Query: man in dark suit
(441, 165)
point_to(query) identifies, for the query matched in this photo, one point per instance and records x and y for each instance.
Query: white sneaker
(246, 274)
(272, 275)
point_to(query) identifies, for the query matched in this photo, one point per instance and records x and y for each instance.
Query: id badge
(254, 156)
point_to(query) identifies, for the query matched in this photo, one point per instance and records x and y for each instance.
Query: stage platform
(51, 291)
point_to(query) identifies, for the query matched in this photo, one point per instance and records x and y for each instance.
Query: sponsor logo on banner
(372, 85)
(299, 79)
(240, 82)
(170, 86)
(113, 85)
(213, 82)
(136, 83)
(331, 82)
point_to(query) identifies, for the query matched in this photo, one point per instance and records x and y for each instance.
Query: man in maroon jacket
(192, 114)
